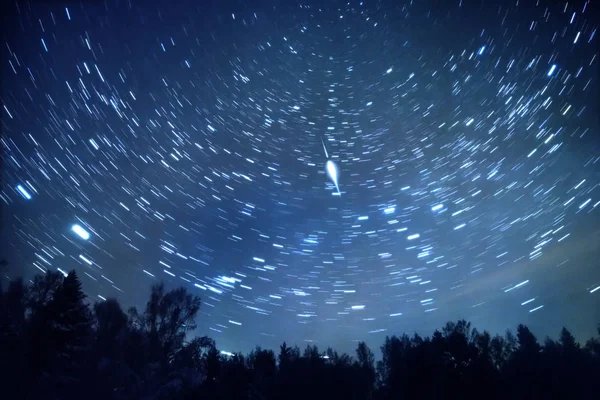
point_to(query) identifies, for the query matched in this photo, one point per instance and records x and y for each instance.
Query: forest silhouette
(55, 345)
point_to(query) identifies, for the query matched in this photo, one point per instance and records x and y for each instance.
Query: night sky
(321, 172)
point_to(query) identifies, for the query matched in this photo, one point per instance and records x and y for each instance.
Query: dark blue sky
(189, 140)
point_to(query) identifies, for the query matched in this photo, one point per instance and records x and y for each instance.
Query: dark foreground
(54, 346)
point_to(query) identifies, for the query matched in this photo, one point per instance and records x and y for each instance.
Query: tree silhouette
(13, 331)
(525, 366)
(109, 354)
(263, 369)
(42, 290)
(159, 335)
(69, 331)
(366, 371)
(58, 335)
(56, 346)
(236, 377)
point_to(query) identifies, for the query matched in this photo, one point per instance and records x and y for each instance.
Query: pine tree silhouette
(70, 330)
(52, 346)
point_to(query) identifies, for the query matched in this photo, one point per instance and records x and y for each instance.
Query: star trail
(319, 172)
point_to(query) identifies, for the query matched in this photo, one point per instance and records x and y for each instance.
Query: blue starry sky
(321, 172)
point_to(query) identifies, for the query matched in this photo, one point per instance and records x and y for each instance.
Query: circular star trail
(194, 144)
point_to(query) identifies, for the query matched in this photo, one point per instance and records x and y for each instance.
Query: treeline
(56, 346)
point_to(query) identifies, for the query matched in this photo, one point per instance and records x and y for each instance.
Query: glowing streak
(24, 192)
(82, 233)
(324, 149)
(333, 173)
(437, 207)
